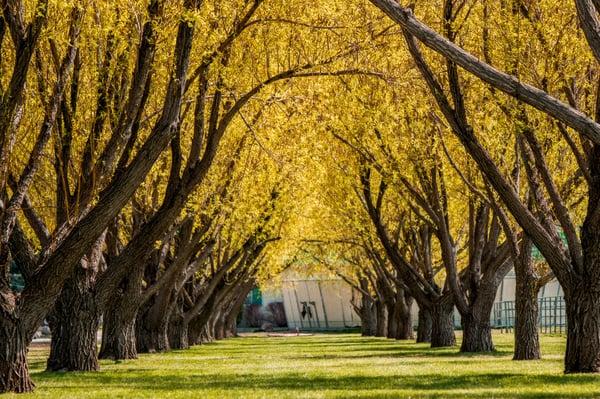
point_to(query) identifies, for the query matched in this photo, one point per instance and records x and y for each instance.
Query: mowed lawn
(321, 366)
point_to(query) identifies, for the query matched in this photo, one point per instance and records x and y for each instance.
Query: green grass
(322, 366)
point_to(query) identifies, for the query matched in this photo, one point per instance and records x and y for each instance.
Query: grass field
(321, 366)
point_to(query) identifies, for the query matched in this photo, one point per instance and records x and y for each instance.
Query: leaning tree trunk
(425, 325)
(74, 323)
(14, 371)
(583, 329)
(118, 333)
(442, 324)
(527, 340)
(382, 319)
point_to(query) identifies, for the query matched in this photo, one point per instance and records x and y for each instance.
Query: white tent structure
(318, 304)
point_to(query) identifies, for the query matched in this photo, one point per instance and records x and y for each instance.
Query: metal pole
(323, 305)
(298, 305)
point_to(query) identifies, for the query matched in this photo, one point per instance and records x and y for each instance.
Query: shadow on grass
(431, 385)
(368, 348)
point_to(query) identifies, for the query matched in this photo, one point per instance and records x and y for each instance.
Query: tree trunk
(231, 324)
(393, 312)
(425, 325)
(442, 325)
(14, 371)
(477, 333)
(74, 324)
(477, 330)
(582, 292)
(178, 333)
(194, 334)
(216, 324)
(527, 340)
(206, 335)
(231, 318)
(118, 334)
(198, 330)
(152, 337)
(405, 324)
(583, 329)
(368, 319)
(381, 315)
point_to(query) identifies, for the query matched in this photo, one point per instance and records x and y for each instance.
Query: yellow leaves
(290, 127)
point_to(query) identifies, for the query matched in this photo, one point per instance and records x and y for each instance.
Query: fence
(552, 315)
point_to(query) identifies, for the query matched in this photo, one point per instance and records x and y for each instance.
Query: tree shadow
(430, 385)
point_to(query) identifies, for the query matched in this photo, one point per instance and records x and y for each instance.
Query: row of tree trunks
(578, 268)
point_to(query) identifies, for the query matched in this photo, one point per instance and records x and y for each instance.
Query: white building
(325, 303)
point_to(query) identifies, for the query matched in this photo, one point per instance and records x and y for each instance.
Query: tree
(574, 266)
(58, 259)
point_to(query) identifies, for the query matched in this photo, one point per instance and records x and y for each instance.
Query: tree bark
(74, 324)
(477, 330)
(405, 324)
(368, 318)
(527, 341)
(178, 333)
(206, 335)
(425, 325)
(442, 325)
(477, 333)
(366, 311)
(582, 295)
(393, 320)
(152, 338)
(118, 334)
(14, 372)
(583, 330)
(382, 319)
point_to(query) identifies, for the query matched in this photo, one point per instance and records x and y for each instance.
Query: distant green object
(537, 255)
(255, 297)
(17, 283)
